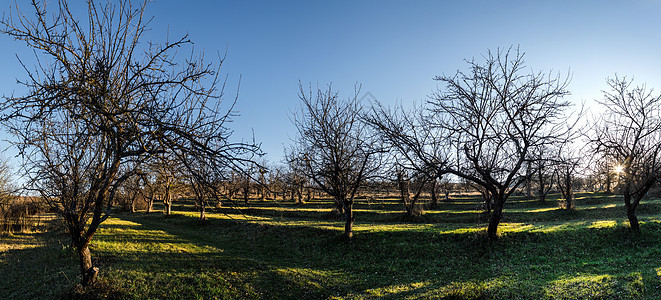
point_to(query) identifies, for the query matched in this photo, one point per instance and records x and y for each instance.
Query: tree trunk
(150, 204)
(348, 212)
(168, 208)
(434, 198)
(404, 191)
(494, 220)
(569, 195)
(542, 186)
(608, 181)
(529, 188)
(203, 216)
(633, 219)
(87, 270)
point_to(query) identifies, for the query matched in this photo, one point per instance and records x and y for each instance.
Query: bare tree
(167, 179)
(101, 102)
(333, 146)
(494, 115)
(542, 164)
(566, 167)
(7, 189)
(629, 134)
(415, 146)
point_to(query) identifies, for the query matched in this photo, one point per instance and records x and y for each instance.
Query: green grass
(279, 250)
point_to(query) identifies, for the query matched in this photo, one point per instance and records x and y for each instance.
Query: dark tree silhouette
(494, 115)
(333, 147)
(102, 101)
(415, 145)
(629, 134)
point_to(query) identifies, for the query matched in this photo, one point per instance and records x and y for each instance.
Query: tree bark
(542, 186)
(434, 197)
(203, 216)
(404, 191)
(168, 208)
(87, 270)
(494, 220)
(348, 212)
(633, 219)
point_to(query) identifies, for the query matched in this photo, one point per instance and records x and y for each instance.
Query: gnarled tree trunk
(87, 270)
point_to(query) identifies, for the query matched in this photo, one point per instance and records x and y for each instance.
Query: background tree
(629, 135)
(101, 102)
(7, 188)
(167, 179)
(566, 167)
(335, 149)
(494, 115)
(542, 165)
(415, 146)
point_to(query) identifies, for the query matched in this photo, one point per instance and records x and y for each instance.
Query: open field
(282, 250)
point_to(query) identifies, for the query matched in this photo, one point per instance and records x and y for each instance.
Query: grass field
(282, 250)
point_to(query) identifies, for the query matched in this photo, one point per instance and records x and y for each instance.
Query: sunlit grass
(282, 250)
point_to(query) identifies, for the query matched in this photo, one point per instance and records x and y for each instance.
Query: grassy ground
(281, 250)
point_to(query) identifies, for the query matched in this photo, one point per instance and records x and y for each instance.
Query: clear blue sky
(393, 48)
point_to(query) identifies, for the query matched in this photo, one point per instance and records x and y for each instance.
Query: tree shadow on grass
(40, 266)
(255, 261)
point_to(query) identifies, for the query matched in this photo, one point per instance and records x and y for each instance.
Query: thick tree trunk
(168, 208)
(434, 197)
(348, 212)
(633, 219)
(87, 270)
(494, 220)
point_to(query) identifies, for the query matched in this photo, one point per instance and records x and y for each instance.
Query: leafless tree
(333, 146)
(629, 134)
(494, 115)
(7, 188)
(404, 183)
(415, 146)
(542, 164)
(167, 179)
(566, 167)
(102, 101)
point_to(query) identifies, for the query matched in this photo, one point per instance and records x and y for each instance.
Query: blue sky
(392, 48)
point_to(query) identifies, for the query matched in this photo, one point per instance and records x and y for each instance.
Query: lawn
(279, 250)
